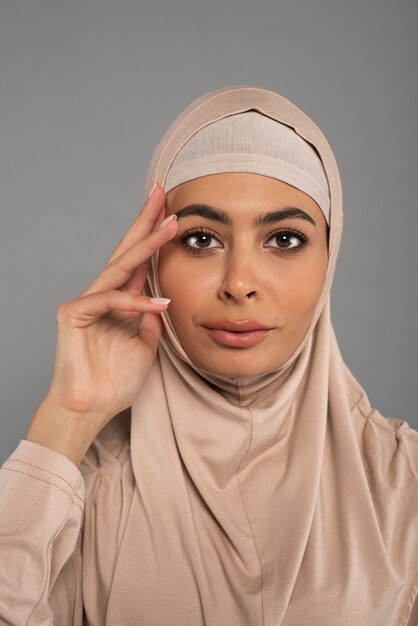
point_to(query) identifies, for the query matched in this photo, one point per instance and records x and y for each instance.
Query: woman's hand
(104, 350)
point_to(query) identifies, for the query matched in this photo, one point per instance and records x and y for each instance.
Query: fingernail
(167, 221)
(160, 300)
(152, 191)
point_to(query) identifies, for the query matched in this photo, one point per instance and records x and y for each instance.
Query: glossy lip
(237, 326)
(237, 333)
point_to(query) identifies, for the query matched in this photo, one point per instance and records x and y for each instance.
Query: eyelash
(284, 231)
(195, 231)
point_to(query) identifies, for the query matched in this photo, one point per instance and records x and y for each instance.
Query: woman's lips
(237, 333)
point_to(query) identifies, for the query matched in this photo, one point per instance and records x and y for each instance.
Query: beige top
(52, 564)
(279, 500)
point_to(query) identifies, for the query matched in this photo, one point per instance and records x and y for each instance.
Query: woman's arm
(107, 339)
(41, 513)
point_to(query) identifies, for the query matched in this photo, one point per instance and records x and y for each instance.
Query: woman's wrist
(62, 431)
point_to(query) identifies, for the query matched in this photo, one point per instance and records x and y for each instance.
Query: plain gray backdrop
(88, 87)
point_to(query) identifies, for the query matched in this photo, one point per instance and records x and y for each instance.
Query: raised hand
(107, 338)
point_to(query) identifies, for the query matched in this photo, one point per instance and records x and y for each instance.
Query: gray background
(87, 88)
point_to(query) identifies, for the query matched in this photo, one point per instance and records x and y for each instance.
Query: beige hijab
(282, 499)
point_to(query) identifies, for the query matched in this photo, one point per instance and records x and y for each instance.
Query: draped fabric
(253, 502)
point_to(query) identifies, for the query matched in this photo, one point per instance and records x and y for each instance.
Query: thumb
(151, 330)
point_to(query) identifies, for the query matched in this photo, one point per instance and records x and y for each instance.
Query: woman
(245, 479)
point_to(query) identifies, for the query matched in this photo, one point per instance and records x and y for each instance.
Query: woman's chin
(236, 368)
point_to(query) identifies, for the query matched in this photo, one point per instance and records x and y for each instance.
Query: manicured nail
(160, 300)
(167, 221)
(152, 191)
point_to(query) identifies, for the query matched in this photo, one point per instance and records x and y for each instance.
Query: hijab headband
(252, 142)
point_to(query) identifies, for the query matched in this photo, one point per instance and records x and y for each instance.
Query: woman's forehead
(240, 193)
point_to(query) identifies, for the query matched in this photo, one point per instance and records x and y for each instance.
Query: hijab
(278, 499)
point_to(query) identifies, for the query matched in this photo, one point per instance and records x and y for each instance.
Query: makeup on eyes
(202, 240)
(210, 241)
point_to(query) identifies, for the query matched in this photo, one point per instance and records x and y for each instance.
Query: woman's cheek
(188, 282)
(297, 287)
(311, 285)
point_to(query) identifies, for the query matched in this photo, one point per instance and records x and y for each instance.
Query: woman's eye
(201, 241)
(287, 240)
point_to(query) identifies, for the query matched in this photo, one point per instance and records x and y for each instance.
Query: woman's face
(244, 272)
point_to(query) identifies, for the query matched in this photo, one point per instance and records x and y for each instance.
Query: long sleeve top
(61, 528)
(46, 503)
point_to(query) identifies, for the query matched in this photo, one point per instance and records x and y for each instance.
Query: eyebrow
(212, 213)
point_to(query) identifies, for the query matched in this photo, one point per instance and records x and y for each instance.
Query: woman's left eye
(287, 240)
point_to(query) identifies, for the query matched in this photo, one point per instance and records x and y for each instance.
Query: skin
(244, 271)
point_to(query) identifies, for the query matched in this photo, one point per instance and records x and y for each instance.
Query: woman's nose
(240, 280)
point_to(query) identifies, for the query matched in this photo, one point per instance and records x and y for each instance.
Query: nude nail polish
(160, 300)
(152, 191)
(167, 221)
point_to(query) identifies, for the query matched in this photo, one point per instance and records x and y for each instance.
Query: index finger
(117, 274)
(151, 214)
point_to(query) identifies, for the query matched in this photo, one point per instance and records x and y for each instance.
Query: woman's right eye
(200, 241)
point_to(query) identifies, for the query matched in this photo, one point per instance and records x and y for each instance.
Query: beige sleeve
(42, 497)
(409, 615)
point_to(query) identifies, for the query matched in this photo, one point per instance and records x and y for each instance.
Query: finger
(137, 281)
(151, 330)
(119, 271)
(83, 311)
(151, 214)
